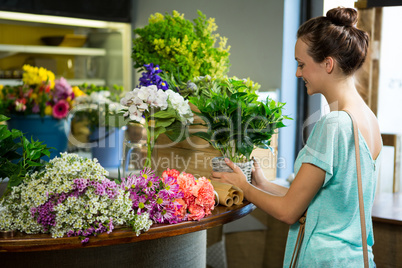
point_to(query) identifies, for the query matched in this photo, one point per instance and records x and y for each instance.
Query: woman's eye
(300, 65)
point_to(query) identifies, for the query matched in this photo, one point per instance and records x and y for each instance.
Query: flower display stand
(163, 245)
(52, 132)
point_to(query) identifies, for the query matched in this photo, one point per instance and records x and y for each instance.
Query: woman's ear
(329, 64)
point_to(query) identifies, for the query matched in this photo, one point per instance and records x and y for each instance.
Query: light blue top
(332, 232)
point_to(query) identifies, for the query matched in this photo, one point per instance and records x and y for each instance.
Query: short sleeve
(328, 143)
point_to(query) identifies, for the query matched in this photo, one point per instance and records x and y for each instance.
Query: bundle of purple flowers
(156, 197)
(150, 76)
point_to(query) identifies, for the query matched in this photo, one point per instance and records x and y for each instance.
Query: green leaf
(203, 135)
(177, 132)
(34, 164)
(164, 122)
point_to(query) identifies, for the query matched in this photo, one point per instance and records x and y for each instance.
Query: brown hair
(335, 35)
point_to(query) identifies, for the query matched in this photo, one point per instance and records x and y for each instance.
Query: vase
(107, 146)
(47, 129)
(134, 149)
(219, 165)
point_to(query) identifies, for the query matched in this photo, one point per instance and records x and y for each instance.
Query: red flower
(60, 109)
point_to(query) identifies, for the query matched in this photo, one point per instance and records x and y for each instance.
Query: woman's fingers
(232, 165)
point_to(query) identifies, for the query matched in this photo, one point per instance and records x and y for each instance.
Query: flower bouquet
(40, 93)
(172, 198)
(72, 197)
(158, 110)
(183, 49)
(40, 107)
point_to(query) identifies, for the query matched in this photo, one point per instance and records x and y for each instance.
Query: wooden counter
(387, 227)
(163, 245)
(387, 208)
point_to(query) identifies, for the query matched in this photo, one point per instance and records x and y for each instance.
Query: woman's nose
(298, 73)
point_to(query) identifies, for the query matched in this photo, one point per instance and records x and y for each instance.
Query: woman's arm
(258, 180)
(284, 205)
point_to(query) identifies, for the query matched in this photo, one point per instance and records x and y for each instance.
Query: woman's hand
(257, 177)
(236, 178)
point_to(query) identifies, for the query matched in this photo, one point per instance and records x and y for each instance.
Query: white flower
(141, 100)
(160, 100)
(134, 113)
(181, 106)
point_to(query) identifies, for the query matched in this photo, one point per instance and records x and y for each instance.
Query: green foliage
(237, 122)
(19, 157)
(183, 49)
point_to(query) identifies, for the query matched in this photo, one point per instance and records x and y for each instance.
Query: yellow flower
(1, 92)
(212, 27)
(48, 110)
(177, 15)
(77, 92)
(34, 96)
(35, 76)
(156, 18)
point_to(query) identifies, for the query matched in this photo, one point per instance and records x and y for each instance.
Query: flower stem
(148, 160)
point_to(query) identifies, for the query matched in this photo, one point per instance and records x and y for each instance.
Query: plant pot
(192, 155)
(52, 132)
(108, 146)
(219, 165)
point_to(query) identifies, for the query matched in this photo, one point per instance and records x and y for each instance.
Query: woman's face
(309, 70)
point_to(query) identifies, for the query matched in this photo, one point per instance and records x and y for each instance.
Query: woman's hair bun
(342, 16)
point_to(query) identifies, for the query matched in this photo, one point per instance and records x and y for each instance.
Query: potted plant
(40, 107)
(183, 49)
(236, 122)
(19, 157)
(97, 110)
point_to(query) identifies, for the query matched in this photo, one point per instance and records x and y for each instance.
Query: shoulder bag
(302, 220)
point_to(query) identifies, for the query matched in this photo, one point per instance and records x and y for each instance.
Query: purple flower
(151, 77)
(62, 88)
(151, 194)
(36, 108)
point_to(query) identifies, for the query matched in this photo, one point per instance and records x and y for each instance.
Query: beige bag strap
(299, 240)
(360, 190)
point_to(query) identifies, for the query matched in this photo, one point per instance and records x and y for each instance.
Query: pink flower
(170, 173)
(196, 212)
(204, 193)
(60, 109)
(186, 181)
(20, 105)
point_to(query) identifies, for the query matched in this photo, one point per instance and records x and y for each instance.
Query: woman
(329, 49)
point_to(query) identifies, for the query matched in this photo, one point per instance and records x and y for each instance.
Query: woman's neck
(342, 94)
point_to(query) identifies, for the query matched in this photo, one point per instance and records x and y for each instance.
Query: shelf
(8, 50)
(73, 82)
